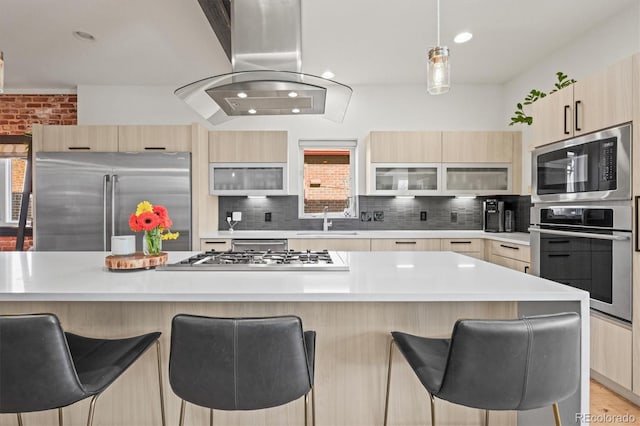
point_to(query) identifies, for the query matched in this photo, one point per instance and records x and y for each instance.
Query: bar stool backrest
(238, 363)
(513, 364)
(36, 369)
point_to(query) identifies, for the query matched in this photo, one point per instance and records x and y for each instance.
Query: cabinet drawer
(464, 245)
(154, 138)
(405, 244)
(508, 262)
(217, 244)
(510, 250)
(339, 244)
(611, 350)
(79, 138)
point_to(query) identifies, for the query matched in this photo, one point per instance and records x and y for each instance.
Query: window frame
(324, 144)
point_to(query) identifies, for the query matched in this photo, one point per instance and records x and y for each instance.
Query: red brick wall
(9, 243)
(19, 112)
(326, 182)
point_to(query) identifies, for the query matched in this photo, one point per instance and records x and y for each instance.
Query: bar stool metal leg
(486, 417)
(386, 401)
(433, 410)
(92, 408)
(182, 409)
(313, 406)
(306, 409)
(20, 419)
(210, 416)
(556, 414)
(60, 419)
(160, 385)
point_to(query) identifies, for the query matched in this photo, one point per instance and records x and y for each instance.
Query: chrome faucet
(326, 224)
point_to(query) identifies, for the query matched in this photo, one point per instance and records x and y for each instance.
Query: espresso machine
(493, 215)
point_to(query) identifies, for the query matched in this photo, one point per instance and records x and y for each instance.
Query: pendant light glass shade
(1, 72)
(438, 71)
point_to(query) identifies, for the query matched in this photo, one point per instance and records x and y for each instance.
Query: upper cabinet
(602, 100)
(154, 138)
(79, 138)
(477, 147)
(248, 147)
(404, 147)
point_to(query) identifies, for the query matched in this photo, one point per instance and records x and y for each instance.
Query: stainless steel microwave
(592, 167)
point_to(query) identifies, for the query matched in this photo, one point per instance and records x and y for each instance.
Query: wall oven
(587, 246)
(592, 167)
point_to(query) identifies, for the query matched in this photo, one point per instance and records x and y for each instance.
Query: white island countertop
(372, 277)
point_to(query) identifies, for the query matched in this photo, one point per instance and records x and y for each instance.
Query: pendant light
(1, 71)
(438, 65)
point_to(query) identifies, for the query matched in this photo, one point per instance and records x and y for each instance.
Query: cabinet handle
(526, 269)
(155, 148)
(215, 242)
(566, 107)
(509, 247)
(79, 148)
(406, 242)
(576, 113)
(558, 242)
(460, 242)
(559, 255)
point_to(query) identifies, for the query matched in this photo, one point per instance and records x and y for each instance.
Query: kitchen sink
(324, 234)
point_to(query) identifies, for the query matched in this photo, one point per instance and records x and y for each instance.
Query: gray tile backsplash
(396, 213)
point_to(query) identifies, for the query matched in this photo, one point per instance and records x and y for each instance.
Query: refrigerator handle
(114, 180)
(105, 183)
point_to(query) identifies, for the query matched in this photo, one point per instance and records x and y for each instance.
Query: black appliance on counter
(493, 218)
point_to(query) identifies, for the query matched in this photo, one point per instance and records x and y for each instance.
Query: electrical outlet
(267, 217)
(423, 216)
(454, 217)
(378, 216)
(236, 216)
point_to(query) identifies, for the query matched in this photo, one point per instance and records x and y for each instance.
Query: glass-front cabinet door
(477, 179)
(404, 179)
(247, 178)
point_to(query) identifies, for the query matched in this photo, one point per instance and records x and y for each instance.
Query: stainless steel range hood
(266, 61)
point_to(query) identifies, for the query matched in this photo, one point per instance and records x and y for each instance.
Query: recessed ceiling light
(252, 111)
(295, 110)
(242, 95)
(463, 37)
(82, 35)
(328, 74)
(293, 94)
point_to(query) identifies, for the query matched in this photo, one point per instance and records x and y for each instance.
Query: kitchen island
(352, 311)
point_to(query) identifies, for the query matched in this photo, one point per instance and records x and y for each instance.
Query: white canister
(122, 245)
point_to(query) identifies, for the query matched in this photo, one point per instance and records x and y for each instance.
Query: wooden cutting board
(133, 262)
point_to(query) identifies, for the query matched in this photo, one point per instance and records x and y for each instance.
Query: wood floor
(610, 409)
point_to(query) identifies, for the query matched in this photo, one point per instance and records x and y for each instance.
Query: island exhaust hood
(266, 63)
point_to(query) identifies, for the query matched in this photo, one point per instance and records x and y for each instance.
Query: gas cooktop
(287, 260)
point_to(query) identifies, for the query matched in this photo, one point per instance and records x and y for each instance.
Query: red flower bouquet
(156, 224)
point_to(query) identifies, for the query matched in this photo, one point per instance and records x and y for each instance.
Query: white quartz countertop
(373, 276)
(509, 237)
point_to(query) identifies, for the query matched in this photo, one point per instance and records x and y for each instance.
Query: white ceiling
(169, 42)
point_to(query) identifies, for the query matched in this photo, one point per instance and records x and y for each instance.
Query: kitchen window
(327, 179)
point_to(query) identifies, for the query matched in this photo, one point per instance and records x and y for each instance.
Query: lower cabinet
(611, 349)
(473, 247)
(339, 244)
(514, 256)
(217, 244)
(405, 244)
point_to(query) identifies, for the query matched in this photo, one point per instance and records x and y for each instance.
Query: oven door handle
(581, 234)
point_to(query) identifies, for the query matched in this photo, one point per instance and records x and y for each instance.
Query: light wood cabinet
(79, 138)
(154, 138)
(473, 247)
(405, 244)
(217, 244)
(404, 147)
(514, 256)
(611, 349)
(602, 100)
(338, 244)
(477, 147)
(248, 147)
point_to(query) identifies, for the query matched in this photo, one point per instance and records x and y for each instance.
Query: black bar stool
(44, 368)
(497, 364)
(241, 363)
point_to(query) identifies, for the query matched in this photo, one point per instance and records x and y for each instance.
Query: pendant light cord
(438, 20)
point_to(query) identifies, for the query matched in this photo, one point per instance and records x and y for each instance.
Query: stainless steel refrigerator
(83, 198)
